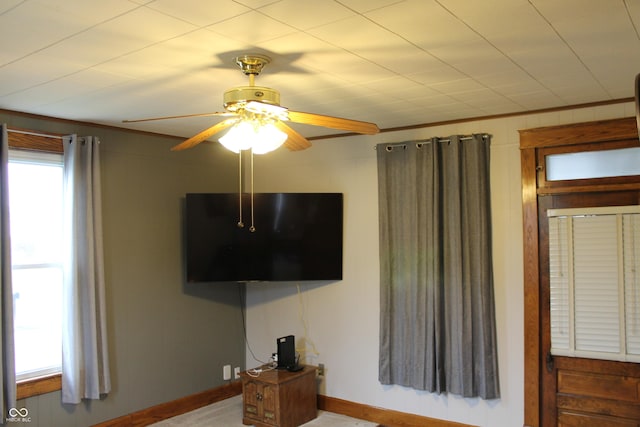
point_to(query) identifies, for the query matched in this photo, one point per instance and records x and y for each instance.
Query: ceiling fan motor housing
(237, 97)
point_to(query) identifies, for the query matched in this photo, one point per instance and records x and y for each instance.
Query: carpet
(228, 413)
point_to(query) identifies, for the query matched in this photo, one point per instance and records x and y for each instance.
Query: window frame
(569, 185)
(24, 139)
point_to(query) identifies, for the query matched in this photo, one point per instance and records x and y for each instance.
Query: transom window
(593, 164)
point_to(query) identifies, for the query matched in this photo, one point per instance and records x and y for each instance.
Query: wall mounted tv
(297, 237)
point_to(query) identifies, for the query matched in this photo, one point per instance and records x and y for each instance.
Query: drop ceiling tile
(298, 51)
(515, 18)
(314, 86)
(424, 23)
(401, 58)
(480, 97)
(455, 87)
(578, 12)
(430, 98)
(184, 55)
(374, 44)
(128, 33)
(633, 8)
(397, 87)
(510, 79)
(364, 6)
(345, 65)
(475, 58)
(69, 87)
(131, 101)
(440, 73)
(198, 12)
(8, 4)
(307, 14)
(32, 26)
(544, 63)
(26, 73)
(578, 92)
(352, 108)
(252, 28)
(537, 100)
(255, 4)
(354, 33)
(340, 101)
(617, 77)
(584, 31)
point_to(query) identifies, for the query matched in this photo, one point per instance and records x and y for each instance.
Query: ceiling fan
(259, 107)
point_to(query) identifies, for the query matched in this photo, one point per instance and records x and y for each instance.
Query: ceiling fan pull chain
(252, 228)
(240, 223)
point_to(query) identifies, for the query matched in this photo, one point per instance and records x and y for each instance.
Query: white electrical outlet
(236, 372)
(226, 372)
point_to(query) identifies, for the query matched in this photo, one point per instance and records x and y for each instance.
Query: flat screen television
(297, 237)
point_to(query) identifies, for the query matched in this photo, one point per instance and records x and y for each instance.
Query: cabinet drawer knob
(259, 396)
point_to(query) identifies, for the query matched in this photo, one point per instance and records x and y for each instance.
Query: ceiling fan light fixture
(260, 137)
(258, 119)
(269, 139)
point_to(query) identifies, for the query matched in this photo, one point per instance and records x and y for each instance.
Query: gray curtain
(7, 353)
(85, 363)
(437, 322)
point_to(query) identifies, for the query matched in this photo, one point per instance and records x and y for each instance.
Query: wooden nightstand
(279, 398)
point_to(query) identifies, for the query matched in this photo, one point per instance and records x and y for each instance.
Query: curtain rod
(462, 138)
(24, 132)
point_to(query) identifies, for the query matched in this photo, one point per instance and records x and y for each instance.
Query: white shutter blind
(594, 289)
(596, 283)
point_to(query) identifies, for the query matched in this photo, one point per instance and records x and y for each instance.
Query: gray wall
(168, 339)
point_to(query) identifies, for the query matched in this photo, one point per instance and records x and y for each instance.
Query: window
(593, 164)
(35, 191)
(594, 257)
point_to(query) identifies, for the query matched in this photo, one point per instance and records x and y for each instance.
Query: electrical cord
(305, 327)
(244, 326)
(272, 364)
(255, 372)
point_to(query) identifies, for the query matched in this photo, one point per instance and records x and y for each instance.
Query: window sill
(41, 385)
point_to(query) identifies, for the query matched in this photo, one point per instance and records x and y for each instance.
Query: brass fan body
(238, 97)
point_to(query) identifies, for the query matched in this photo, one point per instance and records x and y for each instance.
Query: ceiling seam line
(566, 43)
(69, 37)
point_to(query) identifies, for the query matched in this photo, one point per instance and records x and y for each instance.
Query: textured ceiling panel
(397, 63)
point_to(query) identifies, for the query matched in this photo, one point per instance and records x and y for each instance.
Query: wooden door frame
(532, 142)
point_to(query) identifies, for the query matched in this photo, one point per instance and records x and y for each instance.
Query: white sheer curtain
(7, 356)
(85, 364)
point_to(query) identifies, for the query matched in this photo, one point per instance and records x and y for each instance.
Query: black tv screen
(297, 237)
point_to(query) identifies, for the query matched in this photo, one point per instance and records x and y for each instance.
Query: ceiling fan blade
(224, 113)
(333, 122)
(295, 141)
(197, 139)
